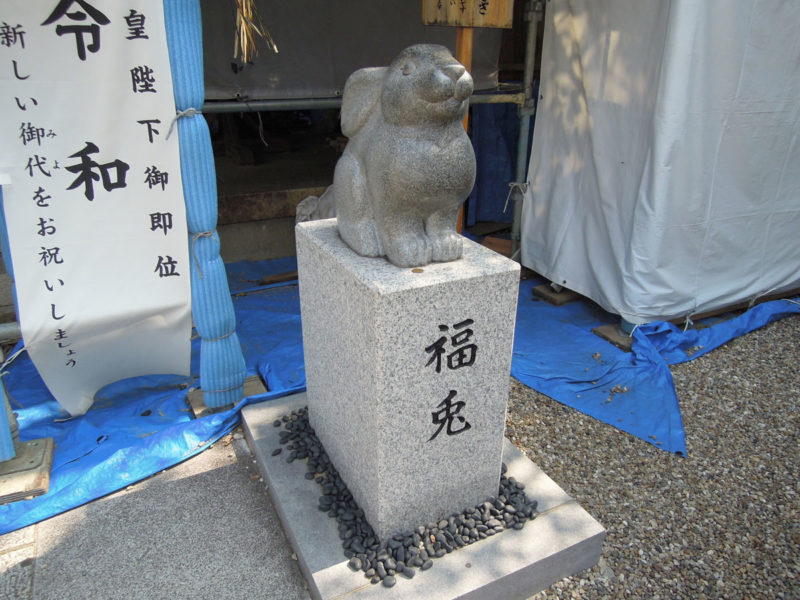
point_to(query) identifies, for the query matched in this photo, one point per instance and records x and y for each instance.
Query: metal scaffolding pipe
(527, 110)
(230, 106)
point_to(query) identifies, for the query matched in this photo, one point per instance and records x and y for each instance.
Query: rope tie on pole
(515, 185)
(195, 237)
(189, 112)
(222, 337)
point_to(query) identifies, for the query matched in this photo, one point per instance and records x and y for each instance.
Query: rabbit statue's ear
(361, 94)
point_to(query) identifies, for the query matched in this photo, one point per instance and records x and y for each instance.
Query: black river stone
(407, 551)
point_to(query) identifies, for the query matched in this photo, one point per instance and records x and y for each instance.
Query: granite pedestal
(514, 565)
(407, 374)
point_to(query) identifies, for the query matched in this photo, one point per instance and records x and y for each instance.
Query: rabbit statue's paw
(407, 248)
(446, 246)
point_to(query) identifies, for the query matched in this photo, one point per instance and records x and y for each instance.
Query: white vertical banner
(93, 193)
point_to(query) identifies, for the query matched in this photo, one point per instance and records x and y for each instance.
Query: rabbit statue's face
(425, 85)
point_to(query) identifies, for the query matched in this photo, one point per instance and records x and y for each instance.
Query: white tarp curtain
(321, 43)
(665, 169)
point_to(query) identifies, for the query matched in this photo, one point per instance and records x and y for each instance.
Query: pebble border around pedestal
(402, 554)
(562, 540)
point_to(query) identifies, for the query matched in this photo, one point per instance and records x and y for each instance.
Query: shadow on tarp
(556, 353)
(140, 426)
(143, 425)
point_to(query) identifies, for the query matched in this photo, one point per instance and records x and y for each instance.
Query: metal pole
(527, 110)
(228, 106)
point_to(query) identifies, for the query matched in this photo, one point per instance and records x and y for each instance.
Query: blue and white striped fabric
(222, 365)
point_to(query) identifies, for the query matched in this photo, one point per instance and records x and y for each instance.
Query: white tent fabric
(665, 168)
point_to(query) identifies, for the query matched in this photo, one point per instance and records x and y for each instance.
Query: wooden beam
(464, 38)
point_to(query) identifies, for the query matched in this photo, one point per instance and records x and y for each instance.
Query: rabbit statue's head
(425, 85)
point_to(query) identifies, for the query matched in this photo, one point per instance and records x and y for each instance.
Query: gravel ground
(723, 522)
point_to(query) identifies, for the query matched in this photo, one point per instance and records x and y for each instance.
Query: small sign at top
(468, 13)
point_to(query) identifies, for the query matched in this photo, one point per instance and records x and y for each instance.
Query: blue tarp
(556, 353)
(141, 426)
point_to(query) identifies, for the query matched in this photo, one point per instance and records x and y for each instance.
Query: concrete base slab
(202, 529)
(561, 541)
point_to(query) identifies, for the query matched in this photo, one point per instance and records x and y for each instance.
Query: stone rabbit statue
(408, 165)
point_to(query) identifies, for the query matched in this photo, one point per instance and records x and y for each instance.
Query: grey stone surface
(562, 540)
(16, 573)
(373, 388)
(17, 560)
(17, 539)
(203, 529)
(722, 521)
(408, 165)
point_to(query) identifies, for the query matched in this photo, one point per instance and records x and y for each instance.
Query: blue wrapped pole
(222, 366)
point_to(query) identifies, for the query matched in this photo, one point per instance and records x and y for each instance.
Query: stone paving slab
(202, 529)
(562, 540)
(16, 573)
